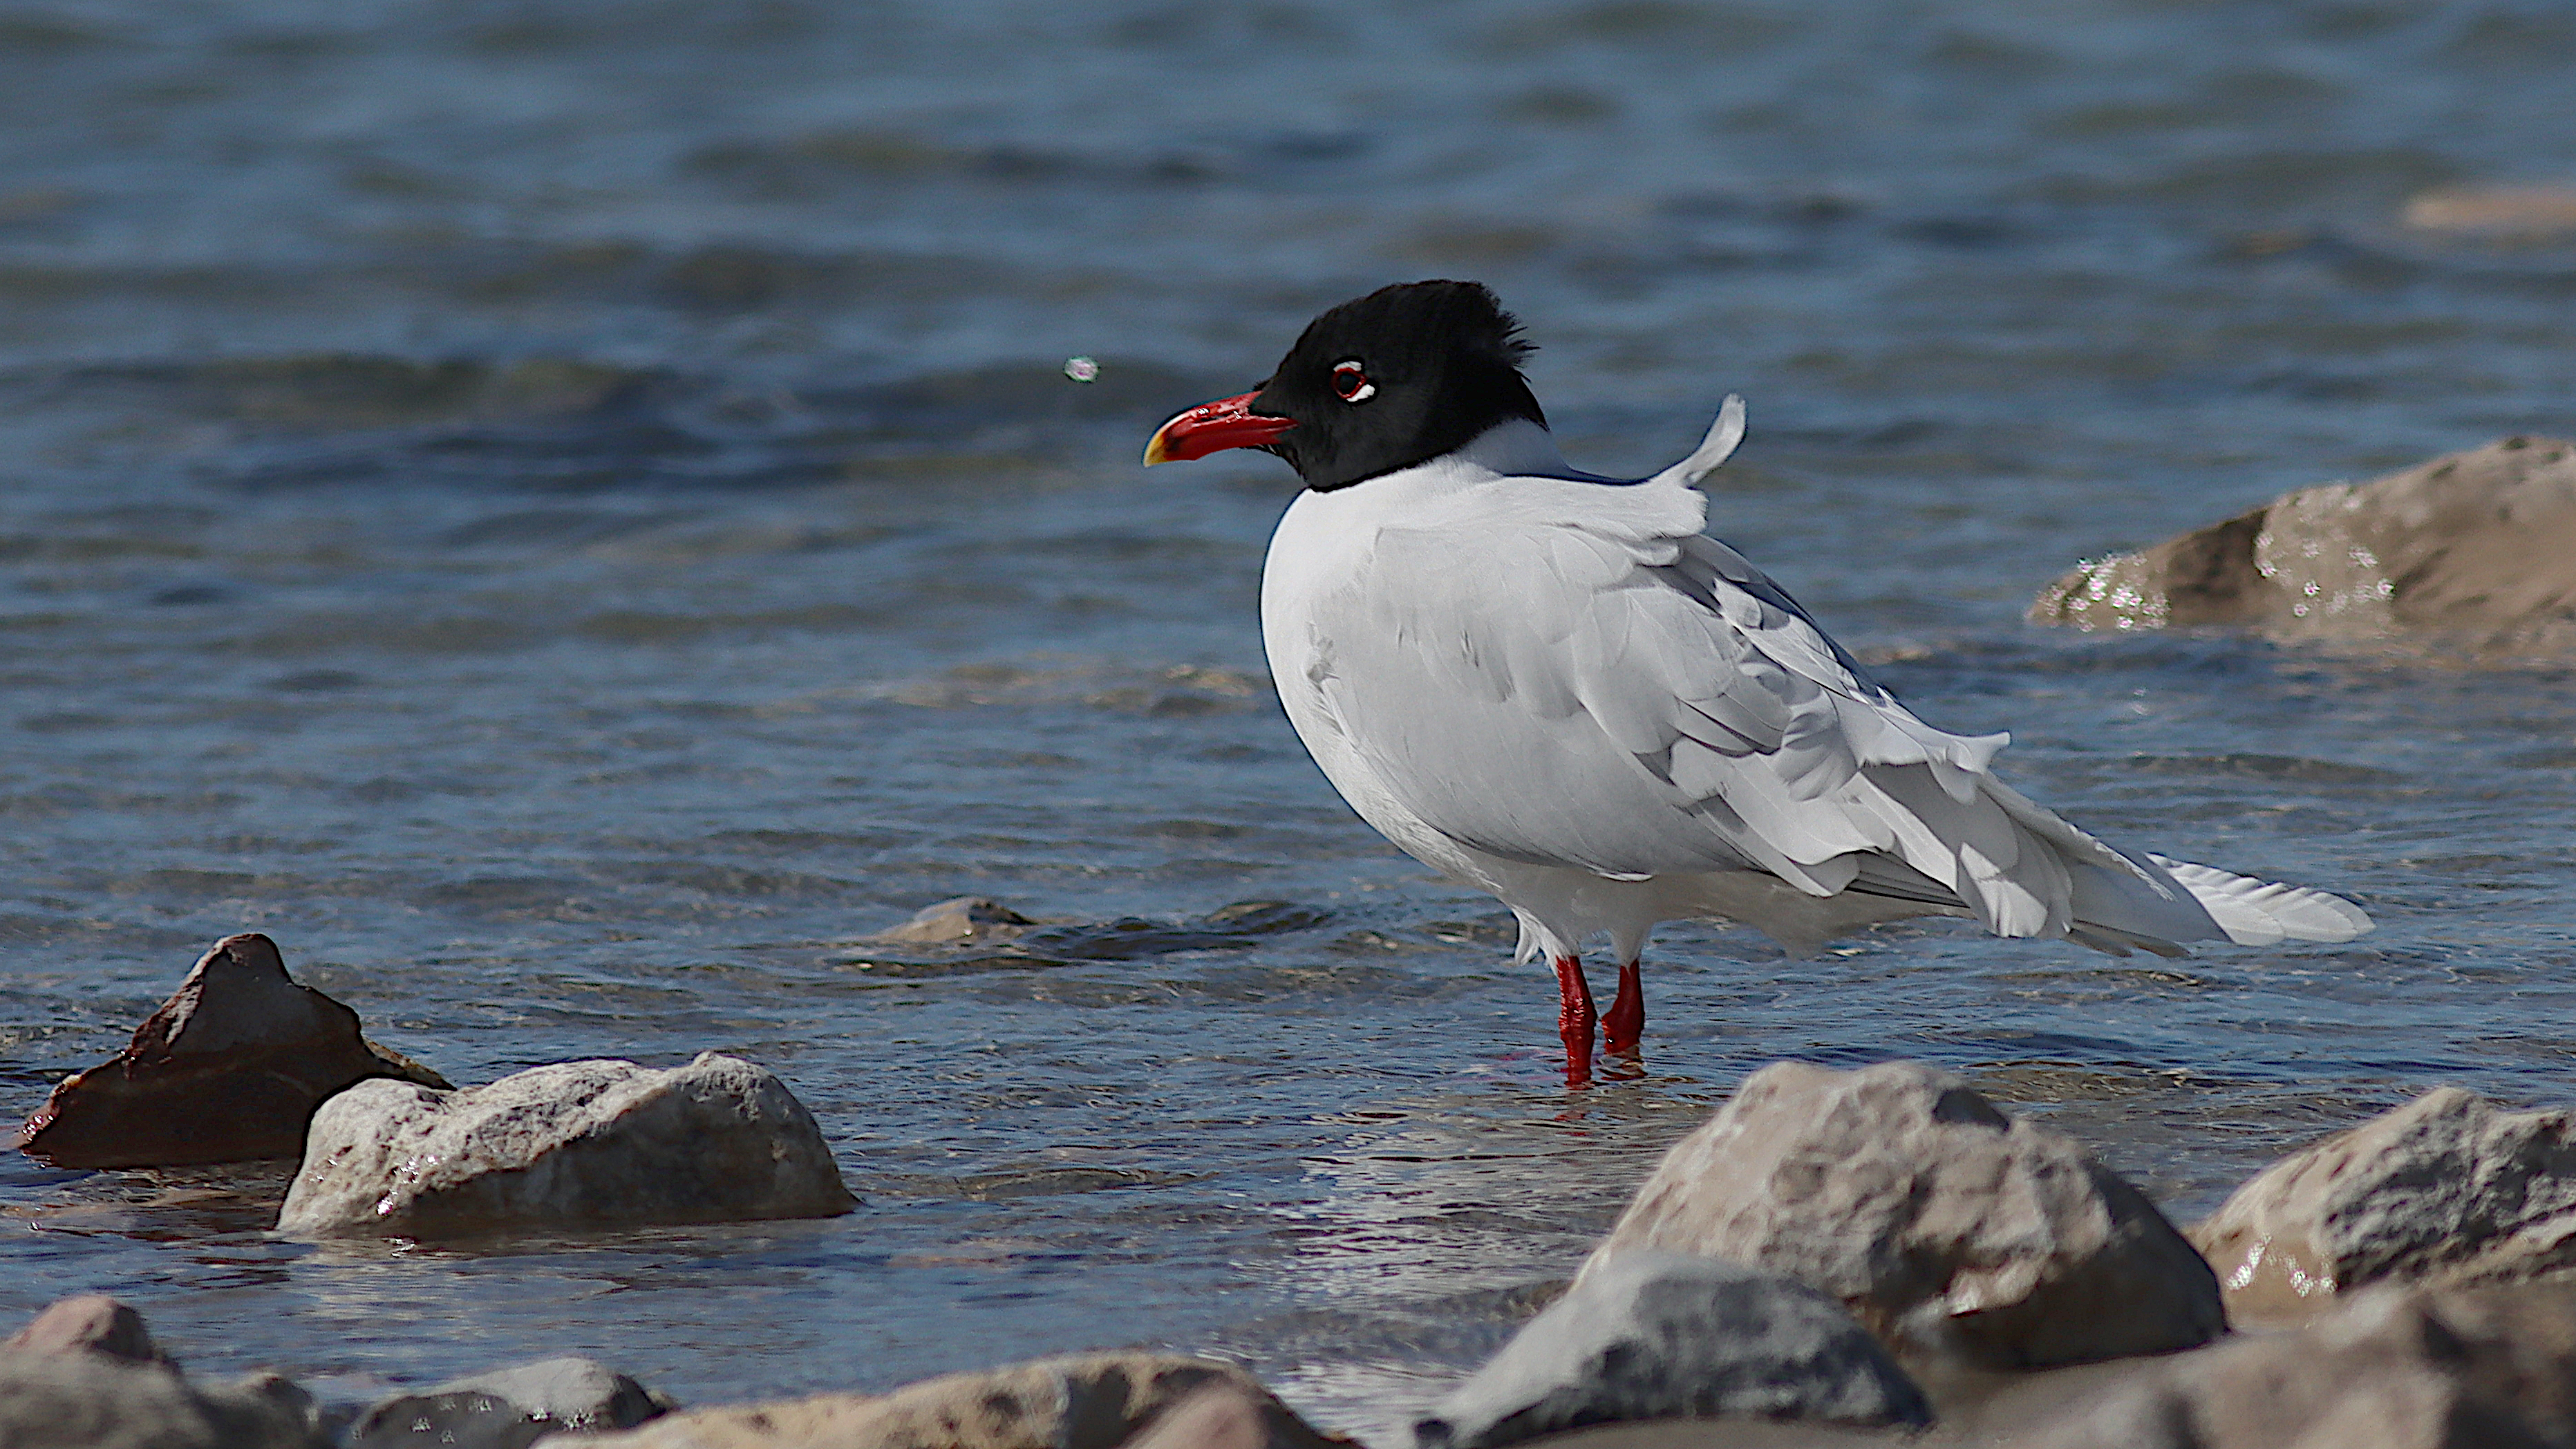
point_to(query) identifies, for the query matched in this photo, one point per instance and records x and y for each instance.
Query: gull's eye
(1352, 383)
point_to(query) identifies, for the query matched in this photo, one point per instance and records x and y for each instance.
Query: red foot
(1627, 1019)
(1575, 1020)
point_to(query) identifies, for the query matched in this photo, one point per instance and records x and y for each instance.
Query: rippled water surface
(570, 517)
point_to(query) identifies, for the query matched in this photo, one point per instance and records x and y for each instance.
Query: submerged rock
(576, 1144)
(1083, 1401)
(92, 1323)
(230, 1068)
(1655, 1335)
(2490, 1368)
(958, 921)
(1941, 1224)
(2475, 549)
(510, 1408)
(2445, 1190)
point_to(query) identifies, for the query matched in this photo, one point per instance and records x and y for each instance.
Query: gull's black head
(1384, 382)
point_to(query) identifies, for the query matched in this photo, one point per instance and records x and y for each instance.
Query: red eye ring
(1352, 382)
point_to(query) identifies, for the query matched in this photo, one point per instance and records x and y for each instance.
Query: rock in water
(510, 1408)
(1941, 1224)
(229, 1069)
(1656, 1335)
(576, 1144)
(2445, 1189)
(2491, 1368)
(2475, 550)
(958, 921)
(1081, 1401)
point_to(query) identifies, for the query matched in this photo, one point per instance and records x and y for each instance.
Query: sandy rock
(91, 1401)
(961, 921)
(1943, 1226)
(510, 1408)
(2490, 1368)
(92, 1323)
(1658, 1335)
(575, 1144)
(228, 1069)
(2445, 1190)
(2518, 213)
(1085, 1401)
(1229, 1415)
(2474, 550)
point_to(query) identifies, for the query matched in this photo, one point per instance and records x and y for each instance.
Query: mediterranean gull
(1557, 688)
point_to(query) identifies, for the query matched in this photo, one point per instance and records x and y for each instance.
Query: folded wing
(1643, 702)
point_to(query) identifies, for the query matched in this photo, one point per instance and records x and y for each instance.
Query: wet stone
(229, 1069)
(1946, 1228)
(959, 921)
(2474, 550)
(575, 1144)
(2446, 1189)
(1655, 1335)
(510, 1408)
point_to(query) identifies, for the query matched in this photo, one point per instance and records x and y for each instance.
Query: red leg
(1575, 1020)
(1627, 1019)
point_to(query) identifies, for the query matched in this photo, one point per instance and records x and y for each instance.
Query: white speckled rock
(592, 1143)
(1651, 1335)
(2445, 1189)
(1940, 1223)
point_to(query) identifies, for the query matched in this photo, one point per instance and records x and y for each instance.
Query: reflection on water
(575, 520)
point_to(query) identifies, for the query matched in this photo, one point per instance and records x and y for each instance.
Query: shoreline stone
(510, 1408)
(1946, 1228)
(1079, 1401)
(2473, 550)
(2446, 1190)
(577, 1144)
(229, 1069)
(1656, 1335)
(85, 1374)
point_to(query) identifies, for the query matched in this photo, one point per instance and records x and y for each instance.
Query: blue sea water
(571, 517)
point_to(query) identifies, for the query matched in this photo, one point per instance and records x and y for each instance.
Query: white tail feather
(2263, 913)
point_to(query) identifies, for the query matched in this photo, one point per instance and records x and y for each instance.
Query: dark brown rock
(2473, 551)
(2444, 1190)
(228, 1069)
(92, 1323)
(1946, 1228)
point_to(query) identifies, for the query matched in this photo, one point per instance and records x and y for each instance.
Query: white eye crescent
(1352, 383)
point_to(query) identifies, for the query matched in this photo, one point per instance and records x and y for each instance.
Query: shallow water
(570, 518)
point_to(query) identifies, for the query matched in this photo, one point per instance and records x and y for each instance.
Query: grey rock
(2444, 1190)
(1081, 1401)
(2474, 551)
(91, 1401)
(510, 1408)
(1659, 1335)
(961, 921)
(91, 1323)
(1942, 1225)
(2395, 1368)
(576, 1144)
(229, 1069)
